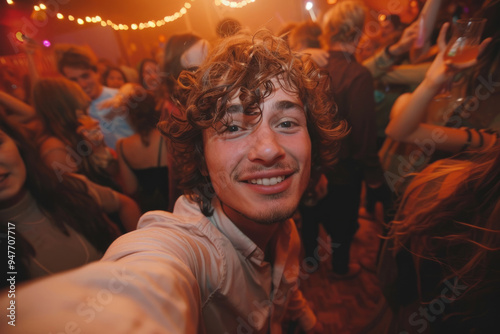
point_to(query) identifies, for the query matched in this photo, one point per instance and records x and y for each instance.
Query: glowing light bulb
(19, 36)
(309, 5)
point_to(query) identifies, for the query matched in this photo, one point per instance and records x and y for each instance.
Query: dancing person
(81, 68)
(145, 166)
(352, 89)
(113, 77)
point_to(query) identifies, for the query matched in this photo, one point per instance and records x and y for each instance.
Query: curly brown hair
(245, 66)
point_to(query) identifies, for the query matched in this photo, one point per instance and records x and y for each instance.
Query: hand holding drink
(464, 44)
(463, 48)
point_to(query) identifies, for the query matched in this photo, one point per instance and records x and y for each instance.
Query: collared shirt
(177, 273)
(112, 129)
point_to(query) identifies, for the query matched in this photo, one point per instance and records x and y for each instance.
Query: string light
(233, 4)
(137, 26)
(120, 26)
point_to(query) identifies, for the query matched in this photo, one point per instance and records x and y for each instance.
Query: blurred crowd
(82, 156)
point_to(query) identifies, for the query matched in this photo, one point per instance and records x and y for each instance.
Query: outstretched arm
(153, 294)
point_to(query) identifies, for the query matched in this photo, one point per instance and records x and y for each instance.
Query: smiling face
(259, 165)
(12, 169)
(115, 79)
(150, 75)
(87, 79)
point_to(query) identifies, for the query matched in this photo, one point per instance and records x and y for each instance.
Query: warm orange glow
(10, 2)
(143, 25)
(234, 4)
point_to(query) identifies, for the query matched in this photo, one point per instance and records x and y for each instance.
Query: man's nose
(82, 83)
(266, 146)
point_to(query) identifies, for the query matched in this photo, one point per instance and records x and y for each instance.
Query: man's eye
(232, 128)
(286, 124)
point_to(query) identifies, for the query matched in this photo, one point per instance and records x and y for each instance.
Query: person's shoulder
(161, 218)
(106, 93)
(186, 216)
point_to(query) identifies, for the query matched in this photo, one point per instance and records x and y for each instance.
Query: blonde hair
(343, 22)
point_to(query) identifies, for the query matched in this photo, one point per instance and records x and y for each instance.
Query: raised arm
(19, 111)
(383, 60)
(409, 110)
(427, 20)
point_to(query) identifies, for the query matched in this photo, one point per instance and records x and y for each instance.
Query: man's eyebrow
(287, 104)
(234, 108)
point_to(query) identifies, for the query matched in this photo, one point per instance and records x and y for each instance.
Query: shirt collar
(240, 241)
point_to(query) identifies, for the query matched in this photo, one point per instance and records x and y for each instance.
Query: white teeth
(268, 182)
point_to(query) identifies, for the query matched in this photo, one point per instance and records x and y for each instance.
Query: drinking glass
(463, 46)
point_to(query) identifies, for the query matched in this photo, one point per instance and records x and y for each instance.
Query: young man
(82, 69)
(226, 260)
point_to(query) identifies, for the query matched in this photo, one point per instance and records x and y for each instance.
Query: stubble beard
(273, 216)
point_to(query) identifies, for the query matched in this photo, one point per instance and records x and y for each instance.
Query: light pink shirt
(182, 273)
